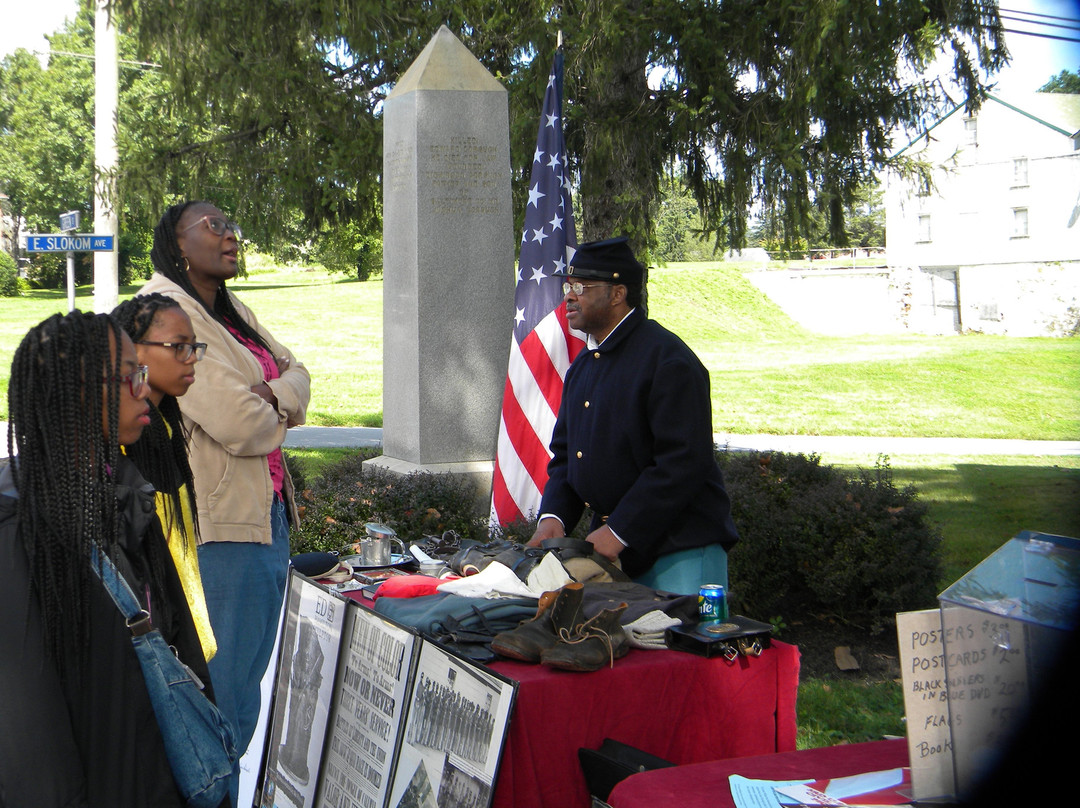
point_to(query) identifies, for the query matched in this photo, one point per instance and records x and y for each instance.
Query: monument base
(477, 472)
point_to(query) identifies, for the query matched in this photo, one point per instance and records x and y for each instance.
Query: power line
(1033, 18)
(1048, 24)
(1036, 14)
(90, 57)
(1042, 36)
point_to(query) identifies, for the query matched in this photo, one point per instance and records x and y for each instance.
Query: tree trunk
(621, 154)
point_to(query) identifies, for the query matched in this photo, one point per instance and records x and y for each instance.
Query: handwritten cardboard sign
(926, 702)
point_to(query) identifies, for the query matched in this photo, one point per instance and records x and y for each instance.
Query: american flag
(543, 346)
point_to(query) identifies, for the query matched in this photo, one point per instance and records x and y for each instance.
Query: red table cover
(677, 706)
(705, 785)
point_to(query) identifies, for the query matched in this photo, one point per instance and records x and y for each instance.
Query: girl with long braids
(77, 727)
(250, 390)
(165, 343)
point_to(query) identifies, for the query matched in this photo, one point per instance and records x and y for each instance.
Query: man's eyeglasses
(217, 226)
(577, 288)
(137, 381)
(183, 350)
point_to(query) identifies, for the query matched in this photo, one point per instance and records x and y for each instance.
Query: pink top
(270, 371)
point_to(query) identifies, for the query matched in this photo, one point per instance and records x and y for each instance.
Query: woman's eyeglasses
(217, 226)
(137, 381)
(183, 350)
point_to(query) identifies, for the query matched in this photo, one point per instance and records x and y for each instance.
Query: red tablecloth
(705, 785)
(677, 706)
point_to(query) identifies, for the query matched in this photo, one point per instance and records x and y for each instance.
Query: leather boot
(598, 641)
(555, 610)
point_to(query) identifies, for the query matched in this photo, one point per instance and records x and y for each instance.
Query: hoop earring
(187, 266)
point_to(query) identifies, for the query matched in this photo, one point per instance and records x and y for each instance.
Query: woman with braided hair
(250, 390)
(165, 343)
(76, 724)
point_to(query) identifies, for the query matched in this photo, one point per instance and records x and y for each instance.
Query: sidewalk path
(358, 437)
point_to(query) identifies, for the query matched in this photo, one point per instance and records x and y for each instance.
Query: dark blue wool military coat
(634, 443)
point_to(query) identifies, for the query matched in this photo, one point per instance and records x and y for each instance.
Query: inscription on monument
(463, 176)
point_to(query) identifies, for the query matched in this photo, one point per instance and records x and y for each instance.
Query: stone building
(992, 244)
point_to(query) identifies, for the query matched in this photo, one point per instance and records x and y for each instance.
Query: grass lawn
(768, 374)
(980, 502)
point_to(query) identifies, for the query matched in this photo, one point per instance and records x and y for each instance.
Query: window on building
(924, 229)
(971, 130)
(1020, 223)
(1020, 172)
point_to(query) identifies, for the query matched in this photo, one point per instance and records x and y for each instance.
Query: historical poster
(367, 713)
(310, 645)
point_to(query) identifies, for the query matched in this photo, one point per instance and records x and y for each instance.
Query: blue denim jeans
(685, 571)
(244, 585)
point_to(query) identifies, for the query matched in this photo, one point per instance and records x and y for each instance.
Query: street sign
(69, 220)
(58, 242)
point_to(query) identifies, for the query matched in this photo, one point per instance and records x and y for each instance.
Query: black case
(612, 763)
(735, 636)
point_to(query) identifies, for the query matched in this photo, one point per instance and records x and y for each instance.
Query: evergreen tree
(1063, 82)
(786, 103)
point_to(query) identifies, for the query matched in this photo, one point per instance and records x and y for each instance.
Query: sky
(1035, 59)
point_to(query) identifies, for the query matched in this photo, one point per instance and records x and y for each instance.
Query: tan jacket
(233, 429)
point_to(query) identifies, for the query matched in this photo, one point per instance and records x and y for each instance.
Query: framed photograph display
(370, 697)
(310, 643)
(454, 732)
(368, 714)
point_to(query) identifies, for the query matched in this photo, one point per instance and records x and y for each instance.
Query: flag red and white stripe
(543, 346)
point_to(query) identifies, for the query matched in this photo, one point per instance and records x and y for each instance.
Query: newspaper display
(310, 646)
(455, 727)
(368, 708)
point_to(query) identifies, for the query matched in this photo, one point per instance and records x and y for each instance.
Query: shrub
(9, 276)
(49, 270)
(415, 505)
(813, 541)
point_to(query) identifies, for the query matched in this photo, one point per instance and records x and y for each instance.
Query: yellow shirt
(186, 559)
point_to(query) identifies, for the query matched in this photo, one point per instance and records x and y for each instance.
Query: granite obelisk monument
(448, 263)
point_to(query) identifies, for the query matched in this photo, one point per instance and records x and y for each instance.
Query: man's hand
(605, 542)
(549, 528)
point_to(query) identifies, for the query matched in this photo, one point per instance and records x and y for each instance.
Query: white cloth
(548, 576)
(493, 581)
(497, 580)
(648, 630)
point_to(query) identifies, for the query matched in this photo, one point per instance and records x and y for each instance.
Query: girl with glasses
(77, 726)
(250, 391)
(165, 344)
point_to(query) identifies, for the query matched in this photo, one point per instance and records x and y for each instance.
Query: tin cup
(377, 543)
(433, 568)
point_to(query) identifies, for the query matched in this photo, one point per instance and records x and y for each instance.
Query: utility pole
(106, 101)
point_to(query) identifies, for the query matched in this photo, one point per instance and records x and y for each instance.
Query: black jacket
(634, 442)
(93, 742)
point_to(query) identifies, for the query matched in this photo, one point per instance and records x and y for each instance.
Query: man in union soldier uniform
(634, 441)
